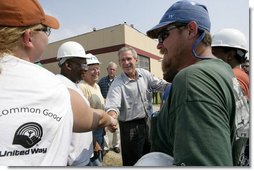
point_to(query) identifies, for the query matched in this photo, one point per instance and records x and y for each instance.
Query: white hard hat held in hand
(155, 159)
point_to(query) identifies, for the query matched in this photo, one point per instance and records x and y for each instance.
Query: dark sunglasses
(165, 33)
(46, 30)
(83, 66)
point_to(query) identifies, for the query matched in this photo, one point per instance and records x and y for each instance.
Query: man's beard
(169, 75)
(168, 72)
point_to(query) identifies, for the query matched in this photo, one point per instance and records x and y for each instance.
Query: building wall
(146, 46)
(105, 43)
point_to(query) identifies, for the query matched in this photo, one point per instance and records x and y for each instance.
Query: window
(144, 62)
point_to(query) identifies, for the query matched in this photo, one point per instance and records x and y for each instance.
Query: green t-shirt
(197, 122)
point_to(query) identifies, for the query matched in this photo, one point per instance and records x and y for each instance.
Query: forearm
(104, 119)
(114, 115)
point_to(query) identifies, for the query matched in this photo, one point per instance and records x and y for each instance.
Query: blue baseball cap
(183, 12)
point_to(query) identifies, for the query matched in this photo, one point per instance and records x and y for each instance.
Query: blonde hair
(207, 40)
(11, 36)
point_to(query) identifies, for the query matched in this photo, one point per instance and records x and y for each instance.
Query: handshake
(113, 120)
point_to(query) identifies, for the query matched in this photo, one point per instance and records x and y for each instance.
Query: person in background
(92, 92)
(104, 84)
(72, 61)
(127, 101)
(230, 45)
(106, 81)
(246, 66)
(39, 111)
(205, 120)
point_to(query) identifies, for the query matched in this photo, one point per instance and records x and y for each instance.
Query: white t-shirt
(82, 143)
(36, 117)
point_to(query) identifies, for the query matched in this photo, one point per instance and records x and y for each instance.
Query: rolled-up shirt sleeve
(156, 83)
(129, 98)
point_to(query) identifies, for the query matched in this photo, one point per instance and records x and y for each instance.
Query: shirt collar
(126, 79)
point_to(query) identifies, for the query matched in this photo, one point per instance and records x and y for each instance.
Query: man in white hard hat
(72, 61)
(92, 92)
(230, 45)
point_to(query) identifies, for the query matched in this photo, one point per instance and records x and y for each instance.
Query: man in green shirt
(205, 120)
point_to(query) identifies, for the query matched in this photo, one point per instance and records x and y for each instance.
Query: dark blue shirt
(104, 84)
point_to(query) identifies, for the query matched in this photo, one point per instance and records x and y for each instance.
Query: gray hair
(127, 48)
(113, 64)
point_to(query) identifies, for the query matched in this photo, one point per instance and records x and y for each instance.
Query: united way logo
(28, 134)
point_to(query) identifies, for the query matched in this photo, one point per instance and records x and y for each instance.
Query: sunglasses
(83, 66)
(165, 33)
(46, 30)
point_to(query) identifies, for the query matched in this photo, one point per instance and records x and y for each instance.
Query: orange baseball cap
(24, 13)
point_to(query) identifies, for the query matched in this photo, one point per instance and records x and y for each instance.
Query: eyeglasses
(46, 30)
(165, 33)
(94, 69)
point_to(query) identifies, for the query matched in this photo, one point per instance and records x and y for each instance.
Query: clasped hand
(113, 126)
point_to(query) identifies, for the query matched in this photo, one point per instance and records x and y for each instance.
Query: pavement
(112, 159)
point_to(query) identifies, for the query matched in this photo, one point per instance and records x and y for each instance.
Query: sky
(81, 16)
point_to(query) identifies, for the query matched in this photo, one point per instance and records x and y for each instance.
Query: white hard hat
(69, 50)
(155, 159)
(92, 60)
(230, 37)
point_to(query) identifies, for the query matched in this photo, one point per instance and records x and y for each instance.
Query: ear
(136, 59)
(230, 55)
(27, 39)
(67, 66)
(193, 29)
